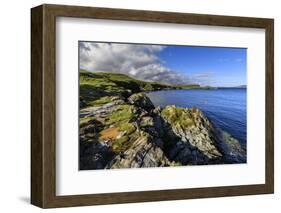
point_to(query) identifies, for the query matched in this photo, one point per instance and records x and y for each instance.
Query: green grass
(94, 86)
(128, 127)
(121, 144)
(102, 100)
(84, 121)
(178, 116)
(121, 118)
(125, 142)
(123, 114)
(110, 82)
(188, 86)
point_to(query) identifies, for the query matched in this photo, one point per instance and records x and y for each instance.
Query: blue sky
(213, 66)
(218, 66)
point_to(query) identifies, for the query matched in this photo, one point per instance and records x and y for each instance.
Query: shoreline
(212, 115)
(121, 128)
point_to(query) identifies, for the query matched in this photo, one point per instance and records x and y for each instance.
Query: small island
(121, 128)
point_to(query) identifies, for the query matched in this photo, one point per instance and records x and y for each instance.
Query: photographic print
(150, 105)
(121, 99)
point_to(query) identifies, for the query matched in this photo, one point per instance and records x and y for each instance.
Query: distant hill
(99, 84)
(235, 87)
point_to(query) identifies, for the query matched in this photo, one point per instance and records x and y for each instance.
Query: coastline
(226, 108)
(121, 128)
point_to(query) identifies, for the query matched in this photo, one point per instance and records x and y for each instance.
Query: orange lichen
(109, 134)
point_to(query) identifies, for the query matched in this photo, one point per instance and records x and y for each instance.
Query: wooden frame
(43, 106)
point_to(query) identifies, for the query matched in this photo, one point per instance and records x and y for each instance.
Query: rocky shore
(121, 128)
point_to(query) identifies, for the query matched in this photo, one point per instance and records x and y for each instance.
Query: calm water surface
(226, 108)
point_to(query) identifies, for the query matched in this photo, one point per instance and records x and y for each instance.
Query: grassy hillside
(101, 88)
(188, 86)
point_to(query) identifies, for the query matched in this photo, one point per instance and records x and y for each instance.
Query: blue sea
(225, 107)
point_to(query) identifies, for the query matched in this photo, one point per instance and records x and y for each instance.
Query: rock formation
(121, 128)
(132, 133)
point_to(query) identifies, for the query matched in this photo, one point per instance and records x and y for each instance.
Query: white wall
(15, 104)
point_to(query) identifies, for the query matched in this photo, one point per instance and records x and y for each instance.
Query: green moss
(121, 144)
(128, 127)
(101, 101)
(84, 121)
(186, 122)
(123, 114)
(178, 116)
(122, 140)
(125, 142)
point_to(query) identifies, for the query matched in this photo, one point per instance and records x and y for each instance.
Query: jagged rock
(146, 136)
(193, 129)
(141, 100)
(146, 121)
(101, 111)
(199, 142)
(143, 153)
(94, 155)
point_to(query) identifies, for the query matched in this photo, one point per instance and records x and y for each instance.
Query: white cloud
(138, 61)
(204, 78)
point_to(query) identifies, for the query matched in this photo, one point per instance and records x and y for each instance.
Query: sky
(172, 64)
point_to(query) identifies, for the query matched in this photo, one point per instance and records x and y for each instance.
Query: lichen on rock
(121, 128)
(141, 100)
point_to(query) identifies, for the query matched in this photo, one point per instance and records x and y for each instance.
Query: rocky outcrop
(195, 132)
(200, 142)
(101, 109)
(143, 153)
(131, 133)
(141, 100)
(122, 131)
